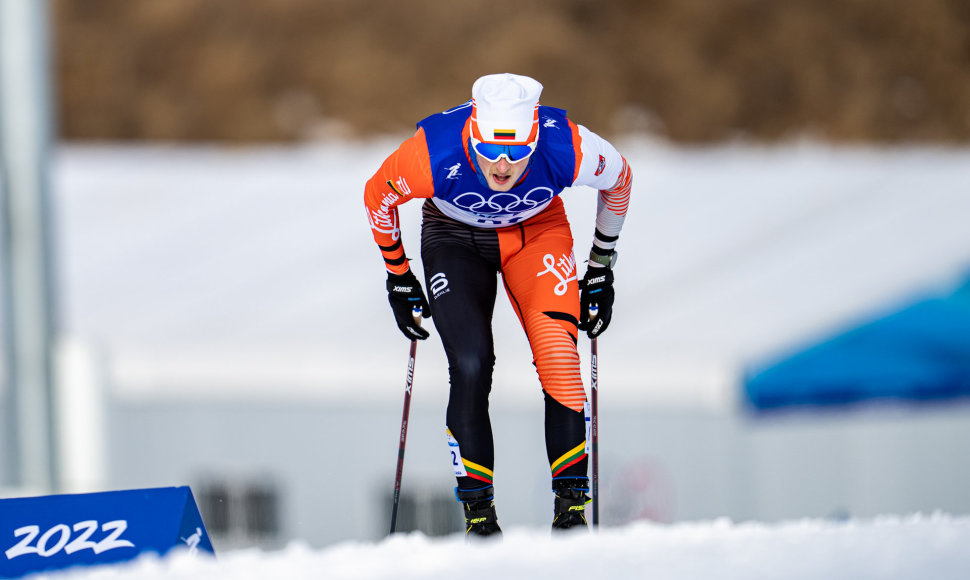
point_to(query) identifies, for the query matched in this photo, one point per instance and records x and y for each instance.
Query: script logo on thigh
(564, 270)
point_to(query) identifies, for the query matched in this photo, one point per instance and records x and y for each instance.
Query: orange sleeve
(405, 174)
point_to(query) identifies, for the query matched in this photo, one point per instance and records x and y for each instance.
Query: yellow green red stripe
(571, 457)
(394, 189)
(476, 471)
(504, 134)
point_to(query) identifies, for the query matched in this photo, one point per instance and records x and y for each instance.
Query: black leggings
(461, 266)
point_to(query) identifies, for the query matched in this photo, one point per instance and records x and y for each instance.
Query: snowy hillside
(910, 548)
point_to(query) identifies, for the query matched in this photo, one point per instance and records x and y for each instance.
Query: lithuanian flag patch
(571, 457)
(504, 134)
(479, 472)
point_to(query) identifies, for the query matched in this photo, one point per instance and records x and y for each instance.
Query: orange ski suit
(470, 234)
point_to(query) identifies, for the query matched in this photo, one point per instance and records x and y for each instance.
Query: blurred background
(193, 297)
(691, 71)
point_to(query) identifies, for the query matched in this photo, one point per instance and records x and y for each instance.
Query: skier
(490, 171)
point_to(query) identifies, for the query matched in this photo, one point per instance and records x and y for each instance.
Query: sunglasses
(495, 151)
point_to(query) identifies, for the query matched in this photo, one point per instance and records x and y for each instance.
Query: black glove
(596, 290)
(405, 295)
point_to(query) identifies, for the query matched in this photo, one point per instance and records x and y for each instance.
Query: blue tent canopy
(919, 353)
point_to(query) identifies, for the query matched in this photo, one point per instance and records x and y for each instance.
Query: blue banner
(917, 353)
(59, 531)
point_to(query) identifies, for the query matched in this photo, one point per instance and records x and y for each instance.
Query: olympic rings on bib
(502, 202)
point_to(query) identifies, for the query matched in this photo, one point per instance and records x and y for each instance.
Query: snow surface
(916, 547)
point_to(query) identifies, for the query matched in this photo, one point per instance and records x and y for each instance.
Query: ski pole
(594, 420)
(404, 423)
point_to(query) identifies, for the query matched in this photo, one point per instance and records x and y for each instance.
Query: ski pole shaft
(404, 426)
(594, 423)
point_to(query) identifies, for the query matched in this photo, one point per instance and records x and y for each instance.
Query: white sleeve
(601, 164)
(603, 168)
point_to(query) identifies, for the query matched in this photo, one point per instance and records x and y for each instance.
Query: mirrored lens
(494, 151)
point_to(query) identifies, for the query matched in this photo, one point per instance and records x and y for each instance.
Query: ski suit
(469, 234)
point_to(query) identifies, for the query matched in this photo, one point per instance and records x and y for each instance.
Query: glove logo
(564, 270)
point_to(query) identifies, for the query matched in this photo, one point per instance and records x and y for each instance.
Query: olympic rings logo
(503, 202)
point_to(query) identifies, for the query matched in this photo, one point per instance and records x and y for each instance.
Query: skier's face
(501, 175)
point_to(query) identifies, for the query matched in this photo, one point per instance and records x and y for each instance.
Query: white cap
(505, 109)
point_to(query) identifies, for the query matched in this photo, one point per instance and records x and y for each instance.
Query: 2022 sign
(52, 532)
(62, 537)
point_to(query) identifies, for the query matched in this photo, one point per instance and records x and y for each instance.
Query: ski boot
(570, 504)
(480, 518)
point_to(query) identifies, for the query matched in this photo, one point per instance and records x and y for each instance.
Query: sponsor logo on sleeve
(601, 166)
(383, 220)
(400, 187)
